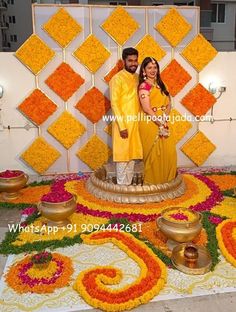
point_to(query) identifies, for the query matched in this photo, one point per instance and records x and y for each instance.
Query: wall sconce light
(1, 91)
(214, 88)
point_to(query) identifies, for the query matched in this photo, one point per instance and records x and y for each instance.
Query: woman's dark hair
(160, 83)
(129, 51)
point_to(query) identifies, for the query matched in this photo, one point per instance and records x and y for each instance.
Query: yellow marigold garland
(227, 208)
(173, 27)
(91, 283)
(149, 47)
(92, 53)
(120, 25)
(62, 27)
(199, 52)
(66, 129)
(40, 155)
(35, 54)
(38, 230)
(198, 148)
(178, 125)
(94, 159)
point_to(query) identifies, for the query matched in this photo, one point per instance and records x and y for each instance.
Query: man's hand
(124, 134)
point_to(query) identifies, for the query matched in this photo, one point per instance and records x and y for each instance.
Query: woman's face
(151, 70)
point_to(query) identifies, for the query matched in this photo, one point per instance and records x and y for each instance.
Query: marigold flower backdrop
(72, 68)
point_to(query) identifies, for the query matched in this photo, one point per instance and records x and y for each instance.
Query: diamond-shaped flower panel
(119, 66)
(93, 105)
(34, 54)
(173, 27)
(108, 129)
(94, 153)
(149, 47)
(40, 155)
(175, 77)
(66, 129)
(199, 100)
(92, 53)
(198, 148)
(178, 125)
(199, 52)
(120, 25)
(62, 27)
(64, 81)
(37, 107)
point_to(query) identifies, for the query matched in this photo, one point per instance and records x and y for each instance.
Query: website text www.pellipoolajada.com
(147, 118)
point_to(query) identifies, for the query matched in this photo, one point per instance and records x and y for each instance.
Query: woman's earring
(144, 76)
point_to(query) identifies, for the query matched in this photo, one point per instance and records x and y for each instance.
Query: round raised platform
(105, 188)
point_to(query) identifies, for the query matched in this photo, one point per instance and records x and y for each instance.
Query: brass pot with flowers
(57, 207)
(11, 182)
(41, 260)
(180, 225)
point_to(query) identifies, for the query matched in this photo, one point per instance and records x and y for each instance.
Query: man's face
(131, 63)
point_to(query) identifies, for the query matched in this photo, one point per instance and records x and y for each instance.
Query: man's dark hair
(129, 51)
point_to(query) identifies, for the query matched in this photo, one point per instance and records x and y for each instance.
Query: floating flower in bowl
(11, 182)
(181, 215)
(56, 197)
(57, 207)
(180, 224)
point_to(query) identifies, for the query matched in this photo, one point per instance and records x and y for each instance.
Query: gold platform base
(102, 184)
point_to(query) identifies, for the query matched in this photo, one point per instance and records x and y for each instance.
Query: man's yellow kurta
(125, 106)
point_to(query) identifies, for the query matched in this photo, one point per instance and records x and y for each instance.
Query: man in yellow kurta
(125, 106)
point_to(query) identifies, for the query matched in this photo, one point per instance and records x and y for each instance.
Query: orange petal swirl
(226, 236)
(91, 283)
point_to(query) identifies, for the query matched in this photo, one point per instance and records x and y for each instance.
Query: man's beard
(131, 70)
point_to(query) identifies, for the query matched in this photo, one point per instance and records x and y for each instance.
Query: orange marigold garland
(224, 182)
(38, 107)
(91, 283)
(198, 100)
(118, 67)
(64, 81)
(93, 105)
(25, 277)
(175, 76)
(226, 236)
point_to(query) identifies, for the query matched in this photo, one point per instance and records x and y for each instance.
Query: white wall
(222, 133)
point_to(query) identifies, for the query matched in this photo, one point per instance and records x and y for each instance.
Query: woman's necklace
(153, 84)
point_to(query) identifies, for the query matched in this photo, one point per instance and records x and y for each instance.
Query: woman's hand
(164, 131)
(124, 134)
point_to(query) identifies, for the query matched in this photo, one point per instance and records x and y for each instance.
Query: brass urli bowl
(180, 232)
(11, 186)
(57, 213)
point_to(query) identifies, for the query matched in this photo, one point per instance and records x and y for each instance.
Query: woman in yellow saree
(159, 152)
